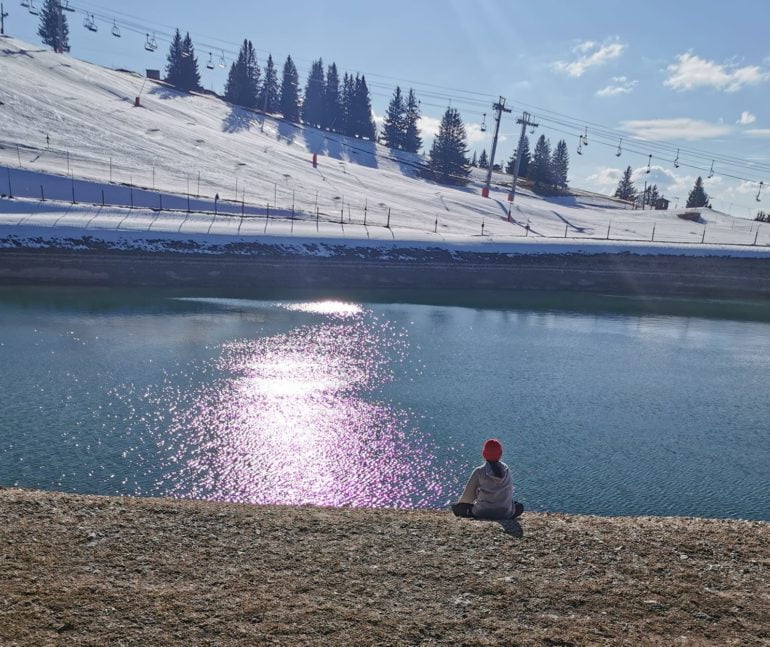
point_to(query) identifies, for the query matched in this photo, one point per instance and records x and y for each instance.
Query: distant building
(661, 204)
(153, 74)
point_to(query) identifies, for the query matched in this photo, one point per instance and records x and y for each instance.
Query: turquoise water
(604, 405)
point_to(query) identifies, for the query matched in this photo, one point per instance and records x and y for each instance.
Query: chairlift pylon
(210, 64)
(676, 161)
(115, 29)
(620, 148)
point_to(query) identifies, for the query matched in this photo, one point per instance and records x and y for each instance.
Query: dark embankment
(81, 570)
(628, 274)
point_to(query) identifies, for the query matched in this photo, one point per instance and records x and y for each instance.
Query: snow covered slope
(66, 117)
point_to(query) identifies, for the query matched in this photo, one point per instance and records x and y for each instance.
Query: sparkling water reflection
(288, 421)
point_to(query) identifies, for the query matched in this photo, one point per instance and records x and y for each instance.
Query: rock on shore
(83, 570)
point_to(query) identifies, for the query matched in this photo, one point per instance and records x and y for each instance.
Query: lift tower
(499, 109)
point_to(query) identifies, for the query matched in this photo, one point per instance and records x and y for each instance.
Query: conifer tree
(174, 69)
(483, 159)
(348, 102)
(332, 109)
(191, 78)
(243, 81)
(289, 102)
(626, 189)
(394, 126)
(268, 93)
(560, 165)
(540, 171)
(313, 105)
(698, 196)
(525, 159)
(53, 26)
(474, 161)
(448, 162)
(362, 109)
(412, 139)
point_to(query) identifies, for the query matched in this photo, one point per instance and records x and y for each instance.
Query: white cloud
(617, 85)
(746, 118)
(758, 132)
(429, 126)
(590, 54)
(691, 71)
(681, 128)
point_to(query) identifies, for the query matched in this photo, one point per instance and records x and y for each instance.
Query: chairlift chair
(484, 123)
(66, 6)
(25, 4)
(580, 145)
(115, 29)
(711, 170)
(759, 192)
(620, 148)
(210, 64)
(649, 163)
(33, 9)
(222, 61)
(585, 137)
(90, 23)
(150, 44)
(676, 161)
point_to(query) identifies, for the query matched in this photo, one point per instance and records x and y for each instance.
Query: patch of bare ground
(80, 570)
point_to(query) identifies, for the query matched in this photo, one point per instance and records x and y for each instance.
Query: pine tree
(698, 196)
(525, 159)
(474, 161)
(191, 78)
(540, 171)
(483, 160)
(289, 102)
(412, 139)
(348, 101)
(448, 162)
(53, 26)
(268, 93)
(394, 126)
(174, 69)
(362, 110)
(626, 189)
(560, 165)
(243, 81)
(332, 111)
(313, 106)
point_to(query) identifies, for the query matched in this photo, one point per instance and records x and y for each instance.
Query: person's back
(489, 492)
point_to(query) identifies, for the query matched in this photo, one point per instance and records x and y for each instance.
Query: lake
(604, 405)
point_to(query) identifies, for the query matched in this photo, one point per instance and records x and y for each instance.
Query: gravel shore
(84, 570)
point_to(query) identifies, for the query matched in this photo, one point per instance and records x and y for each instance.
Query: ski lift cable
(544, 113)
(702, 169)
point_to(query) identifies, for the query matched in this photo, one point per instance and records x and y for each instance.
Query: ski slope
(63, 118)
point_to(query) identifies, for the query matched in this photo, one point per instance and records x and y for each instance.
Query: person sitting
(489, 492)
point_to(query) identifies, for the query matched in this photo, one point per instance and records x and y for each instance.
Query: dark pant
(466, 509)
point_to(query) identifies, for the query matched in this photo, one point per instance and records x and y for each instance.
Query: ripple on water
(290, 419)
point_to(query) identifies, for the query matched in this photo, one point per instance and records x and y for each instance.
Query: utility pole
(525, 123)
(3, 16)
(499, 108)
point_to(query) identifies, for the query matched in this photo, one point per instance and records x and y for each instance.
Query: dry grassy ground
(80, 570)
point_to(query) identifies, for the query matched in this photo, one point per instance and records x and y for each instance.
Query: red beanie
(493, 450)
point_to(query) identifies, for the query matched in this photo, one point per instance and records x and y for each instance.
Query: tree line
(626, 190)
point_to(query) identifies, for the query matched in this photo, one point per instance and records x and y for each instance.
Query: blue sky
(686, 74)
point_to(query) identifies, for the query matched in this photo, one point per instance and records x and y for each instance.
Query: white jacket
(491, 496)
